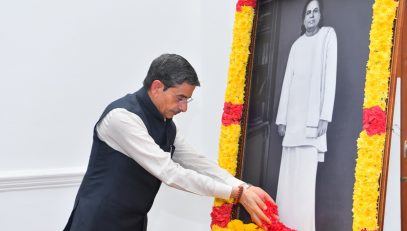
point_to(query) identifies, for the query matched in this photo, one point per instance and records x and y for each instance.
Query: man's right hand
(281, 129)
(253, 200)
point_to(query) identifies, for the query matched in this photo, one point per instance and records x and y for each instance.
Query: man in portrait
(304, 111)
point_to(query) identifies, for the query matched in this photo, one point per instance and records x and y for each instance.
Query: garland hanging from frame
(371, 140)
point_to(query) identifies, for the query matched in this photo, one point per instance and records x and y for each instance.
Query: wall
(62, 62)
(392, 218)
(216, 29)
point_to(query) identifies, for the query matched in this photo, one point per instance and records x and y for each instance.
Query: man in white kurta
(306, 104)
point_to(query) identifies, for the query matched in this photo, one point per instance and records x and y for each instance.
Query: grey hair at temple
(171, 70)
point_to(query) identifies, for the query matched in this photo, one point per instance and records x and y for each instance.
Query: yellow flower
(239, 55)
(236, 225)
(217, 228)
(219, 202)
(367, 173)
(252, 227)
(228, 147)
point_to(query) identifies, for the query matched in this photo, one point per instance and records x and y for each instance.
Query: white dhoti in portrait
(307, 97)
(296, 187)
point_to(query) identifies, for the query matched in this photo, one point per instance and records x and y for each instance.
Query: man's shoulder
(122, 101)
(126, 102)
(328, 30)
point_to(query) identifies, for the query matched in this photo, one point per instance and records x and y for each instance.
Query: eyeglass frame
(180, 99)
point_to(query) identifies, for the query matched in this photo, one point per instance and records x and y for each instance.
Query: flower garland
(223, 224)
(232, 112)
(231, 120)
(371, 140)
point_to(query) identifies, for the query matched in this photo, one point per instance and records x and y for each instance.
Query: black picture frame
(277, 26)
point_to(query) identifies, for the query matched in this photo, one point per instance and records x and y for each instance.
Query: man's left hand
(322, 127)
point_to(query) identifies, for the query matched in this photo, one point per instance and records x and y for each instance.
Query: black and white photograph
(305, 108)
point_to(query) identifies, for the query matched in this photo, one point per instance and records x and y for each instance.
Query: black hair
(171, 70)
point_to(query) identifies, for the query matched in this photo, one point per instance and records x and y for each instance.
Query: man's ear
(156, 87)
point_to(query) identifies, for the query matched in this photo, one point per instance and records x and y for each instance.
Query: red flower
(221, 215)
(241, 3)
(275, 225)
(232, 113)
(374, 121)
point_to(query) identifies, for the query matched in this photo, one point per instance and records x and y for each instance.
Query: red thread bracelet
(239, 195)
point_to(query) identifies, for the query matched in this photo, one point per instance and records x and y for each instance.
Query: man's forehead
(184, 89)
(313, 4)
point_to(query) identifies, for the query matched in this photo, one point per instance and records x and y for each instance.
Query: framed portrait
(305, 110)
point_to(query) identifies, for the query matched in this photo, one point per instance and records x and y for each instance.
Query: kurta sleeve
(125, 132)
(188, 158)
(330, 77)
(285, 90)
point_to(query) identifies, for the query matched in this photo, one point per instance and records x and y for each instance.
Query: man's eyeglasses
(181, 99)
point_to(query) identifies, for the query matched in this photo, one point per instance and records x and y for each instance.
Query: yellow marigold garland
(371, 140)
(230, 134)
(228, 148)
(239, 55)
(234, 99)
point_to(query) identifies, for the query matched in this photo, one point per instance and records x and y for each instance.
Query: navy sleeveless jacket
(116, 192)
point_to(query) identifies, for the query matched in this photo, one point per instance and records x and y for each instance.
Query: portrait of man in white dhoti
(305, 108)
(304, 112)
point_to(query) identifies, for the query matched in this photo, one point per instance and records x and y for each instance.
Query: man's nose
(183, 106)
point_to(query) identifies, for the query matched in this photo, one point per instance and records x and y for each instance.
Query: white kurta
(187, 170)
(307, 96)
(308, 90)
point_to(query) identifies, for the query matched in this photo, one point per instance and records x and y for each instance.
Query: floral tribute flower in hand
(272, 213)
(221, 220)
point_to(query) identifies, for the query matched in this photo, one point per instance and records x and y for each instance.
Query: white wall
(392, 218)
(216, 30)
(61, 62)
